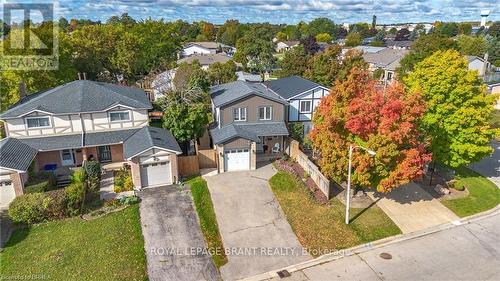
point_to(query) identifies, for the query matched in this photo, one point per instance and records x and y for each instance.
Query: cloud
(284, 11)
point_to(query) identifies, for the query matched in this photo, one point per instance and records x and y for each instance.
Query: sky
(280, 11)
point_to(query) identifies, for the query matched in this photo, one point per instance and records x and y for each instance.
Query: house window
(119, 116)
(38, 122)
(389, 76)
(240, 114)
(265, 113)
(305, 106)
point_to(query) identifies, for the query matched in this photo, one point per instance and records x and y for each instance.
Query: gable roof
(16, 155)
(250, 132)
(147, 138)
(79, 96)
(229, 92)
(291, 86)
(385, 57)
(205, 44)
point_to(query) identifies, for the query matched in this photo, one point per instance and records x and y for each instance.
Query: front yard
(320, 227)
(106, 248)
(483, 194)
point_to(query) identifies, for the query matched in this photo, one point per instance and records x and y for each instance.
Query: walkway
(252, 224)
(490, 166)
(469, 250)
(412, 208)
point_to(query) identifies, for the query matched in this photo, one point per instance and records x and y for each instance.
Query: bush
(128, 200)
(456, 184)
(297, 131)
(93, 171)
(58, 207)
(123, 181)
(74, 193)
(78, 176)
(41, 182)
(30, 208)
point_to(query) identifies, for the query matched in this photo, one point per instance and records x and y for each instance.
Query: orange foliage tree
(359, 112)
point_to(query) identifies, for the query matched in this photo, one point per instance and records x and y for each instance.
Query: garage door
(7, 193)
(237, 159)
(155, 174)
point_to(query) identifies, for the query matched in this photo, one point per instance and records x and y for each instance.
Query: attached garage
(7, 192)
(237, 159)
(155, 174)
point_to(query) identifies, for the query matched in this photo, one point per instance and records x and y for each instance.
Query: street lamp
(348, 191)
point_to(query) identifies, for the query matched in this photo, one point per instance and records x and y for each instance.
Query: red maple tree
(360, 112)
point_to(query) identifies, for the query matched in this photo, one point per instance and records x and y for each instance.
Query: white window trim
(265, 111)
(40, 127)
(121, 111)
(305, 111)
(240, 110)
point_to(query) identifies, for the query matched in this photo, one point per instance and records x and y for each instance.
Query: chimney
(22, 90)
(79, 76)
(84, 76)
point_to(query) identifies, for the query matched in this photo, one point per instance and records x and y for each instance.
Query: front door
(67, 157)
(104, 153)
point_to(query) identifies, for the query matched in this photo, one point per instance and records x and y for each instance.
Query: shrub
(128, 200)
(74, 193)
(297, 131)
(123, 181)
(93, 171)
(78, 176)
(128, 185)
(456, 184)
(41, 182)
(58, 207)
(30, 208)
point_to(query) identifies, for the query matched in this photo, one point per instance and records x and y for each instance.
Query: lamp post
(348, 191)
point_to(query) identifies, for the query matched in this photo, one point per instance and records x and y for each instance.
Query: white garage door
(155, 174)
(237, 159)
(7, 194)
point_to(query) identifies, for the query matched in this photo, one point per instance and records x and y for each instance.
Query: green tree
(294, 62)
(423, 47)
(393, 31)
(230, 32)
(191, 77)
(447, 29)
(458, 108)
(281, 36)
(255, 51)
(493, 49)
(324, 37)
(353, 39)
(464, 28)
(321, 25)
(221, 73)
(472, 45)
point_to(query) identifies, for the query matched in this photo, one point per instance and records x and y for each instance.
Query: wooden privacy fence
(309, 167)
(207, 158)
(188, 165)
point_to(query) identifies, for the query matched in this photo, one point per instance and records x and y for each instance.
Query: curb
(374, 245)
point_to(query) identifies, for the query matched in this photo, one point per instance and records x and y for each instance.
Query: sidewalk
(466, 250)
(412, 208)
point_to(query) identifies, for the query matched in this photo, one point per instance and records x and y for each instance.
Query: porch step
(63, 181)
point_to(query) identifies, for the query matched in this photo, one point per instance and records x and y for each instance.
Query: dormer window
(37, 122)
(119, 116)
(240, 114)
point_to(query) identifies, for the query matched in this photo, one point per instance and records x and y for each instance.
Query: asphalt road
(490, 166)
(470, 251)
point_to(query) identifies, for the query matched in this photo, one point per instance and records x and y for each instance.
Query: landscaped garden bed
(320, 227)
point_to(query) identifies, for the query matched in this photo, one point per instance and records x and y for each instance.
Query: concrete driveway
(490, 166)
(253, 227)
(412, 208)
(172, 235)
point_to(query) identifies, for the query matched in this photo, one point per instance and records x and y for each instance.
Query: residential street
(249, 217)
(490, 166)
(470, 251)
(412, 208)
(171, 231)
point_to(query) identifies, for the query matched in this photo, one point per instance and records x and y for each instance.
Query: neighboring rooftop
(79, 96)
(149, 137)
(206, 44)
(206, 59)
(249, 77)
(233, 91)
(386, 58)
(291, 43)
(15, 155)
(291, 86)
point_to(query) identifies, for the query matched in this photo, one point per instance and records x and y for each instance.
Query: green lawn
(483, 194)
(321, 227)
(107, 248)
(208, 221)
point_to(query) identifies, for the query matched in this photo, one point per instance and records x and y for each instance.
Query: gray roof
(291, 86)
(79, 96)
(206, 59)
(149, 137)
(15, 154)
(247, 131)
(226, 93)
(387, 58)
(206, 44)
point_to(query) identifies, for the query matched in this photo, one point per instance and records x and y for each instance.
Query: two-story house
(84, 120)
(302, 95)
(249, 124)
